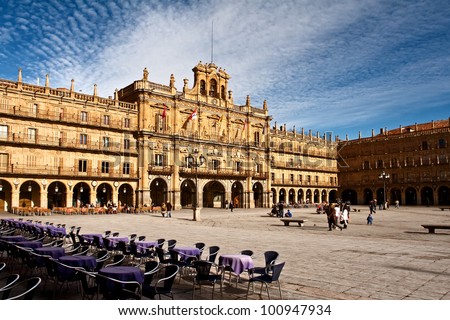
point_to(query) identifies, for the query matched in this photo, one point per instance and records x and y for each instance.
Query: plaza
(393, 259)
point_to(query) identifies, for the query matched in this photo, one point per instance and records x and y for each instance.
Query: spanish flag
(193, 115)
(164, 114)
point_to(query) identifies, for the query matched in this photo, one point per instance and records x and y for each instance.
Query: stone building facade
(151, 143)
(414, 160)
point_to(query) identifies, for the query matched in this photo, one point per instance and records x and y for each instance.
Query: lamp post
(196, 161)
(384, 176)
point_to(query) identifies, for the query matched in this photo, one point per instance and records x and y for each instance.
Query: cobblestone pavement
(395, 258)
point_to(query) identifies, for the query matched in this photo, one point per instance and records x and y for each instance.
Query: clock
(94, 183)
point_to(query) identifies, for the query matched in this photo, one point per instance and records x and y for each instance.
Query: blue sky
(342, 66)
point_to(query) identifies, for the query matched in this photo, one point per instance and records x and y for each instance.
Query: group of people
(278, 210)
(338, 215)
(166, 209)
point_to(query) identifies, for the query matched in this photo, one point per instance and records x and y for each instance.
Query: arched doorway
(126, 195)
(332, 196)
(56, 195)
(291, 196)
(396, 194)
(214, 194)
(368, 195)
(237, 192)
(300, 198)
(410, 196)
(316, 196)
(30, 194)
(324, 196)
(258, 195)
(274, 197)
(5, 196)
(187, 194)
(444, 196)
(349, 195)
(282, 195)
(427, 196)
(308, 196)
(81, 195)
(380, 196)
(104, 194)
(158, 192)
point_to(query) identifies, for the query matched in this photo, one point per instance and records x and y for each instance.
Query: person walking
(369, 218)
(331, 217)
(344, 216)
(231, 206)
(169, 209)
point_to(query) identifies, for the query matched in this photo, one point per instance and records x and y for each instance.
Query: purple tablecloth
(30, 244)
(14, 238)
(186, 252)
(54, 252)
(89, 237)
(116, 240)
(123, 273)
(238, 262)
(142, 245)
(86, 262)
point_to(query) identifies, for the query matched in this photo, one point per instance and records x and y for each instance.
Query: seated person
(288, 214)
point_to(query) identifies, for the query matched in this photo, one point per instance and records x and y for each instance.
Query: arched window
(203, 87)
(223, 93)
(213, 88)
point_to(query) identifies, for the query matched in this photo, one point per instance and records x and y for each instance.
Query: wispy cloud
(339, 66)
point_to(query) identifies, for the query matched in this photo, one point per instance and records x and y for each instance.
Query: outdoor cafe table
(238, 262)
(85, 262)
(142, 245)
(114, 241)
(30, 244)
(13, 238)
(123, 273)
(54, 252)
(89, 237)
(187, 252)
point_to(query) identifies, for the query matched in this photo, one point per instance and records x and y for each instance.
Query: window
(82, 165)
(106, 142)
(126, 168)
(424, 145)
(215, 164)
(83, 139)
(300, 178)
(34, 108)
(4, 160)
(106, 119)
(331, 180)
(380, 164)
(308, 178)
(256, 137)
(224, 94)
(32, 134)
(203, 87)
(105, 167)
(442, 143)
(83, 116)
(282, 178)
(159, 160)
(3, 132)
(213, 88)
(317, 179)
(238, 166)
(292, 178)
(272, 177)
(366, 165)
(258, 168)
(126, 123)
(126, 144)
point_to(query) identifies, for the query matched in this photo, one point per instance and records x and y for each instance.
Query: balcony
(58, 172)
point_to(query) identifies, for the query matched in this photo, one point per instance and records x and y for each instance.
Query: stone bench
(287, 221)
(432, 227)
